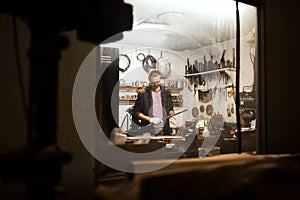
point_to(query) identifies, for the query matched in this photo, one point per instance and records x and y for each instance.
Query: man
(153, 106)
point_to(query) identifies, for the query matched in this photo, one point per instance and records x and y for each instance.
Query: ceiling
(180, 25)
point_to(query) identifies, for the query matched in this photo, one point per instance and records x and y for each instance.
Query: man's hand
(155, 120)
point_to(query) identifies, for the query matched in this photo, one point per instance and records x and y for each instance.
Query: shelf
(174, 91)
(126, 102)
(129, 89)
(210, 72)
(131, 102)
(136, 89)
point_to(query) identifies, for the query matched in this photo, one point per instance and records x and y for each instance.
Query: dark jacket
(144, 102)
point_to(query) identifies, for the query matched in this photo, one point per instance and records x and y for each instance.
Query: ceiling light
(171, 17)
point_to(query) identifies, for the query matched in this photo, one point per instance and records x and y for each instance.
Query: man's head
(154, 76)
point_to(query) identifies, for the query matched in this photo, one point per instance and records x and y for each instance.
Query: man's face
(154, 79)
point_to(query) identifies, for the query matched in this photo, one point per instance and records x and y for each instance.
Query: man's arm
(144, 117)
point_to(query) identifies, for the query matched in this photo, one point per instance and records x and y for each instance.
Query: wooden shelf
(136, 89)
(174, 91)
(126, 102)
(129, 89)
